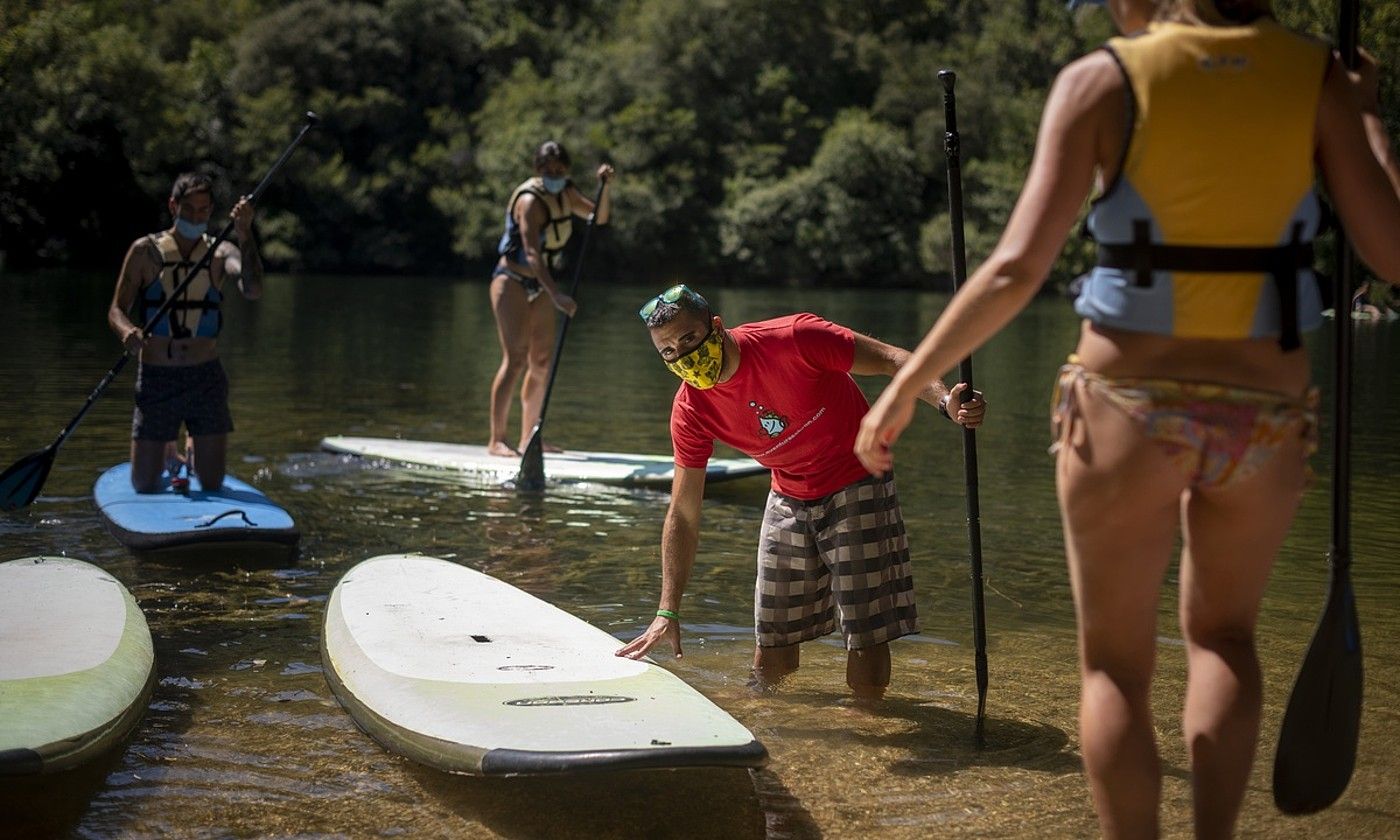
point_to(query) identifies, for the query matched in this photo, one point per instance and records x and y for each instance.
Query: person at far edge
(1187, 404)
(539, 221)
(832, 545)
(179, 377)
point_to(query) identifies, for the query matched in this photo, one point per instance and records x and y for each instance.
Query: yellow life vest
(557, 229)
(1215, 193)
(196, 311)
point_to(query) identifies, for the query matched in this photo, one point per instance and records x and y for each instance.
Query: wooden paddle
(531, 476)
(1317, 743)
(21, 483)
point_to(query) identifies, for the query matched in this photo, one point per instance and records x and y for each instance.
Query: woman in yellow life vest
(1187, 404)
(180, 378)
(539, 221)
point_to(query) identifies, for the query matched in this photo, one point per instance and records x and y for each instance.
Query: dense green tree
(853, 214)
(358, 201)
(79, 99)
(756, 140)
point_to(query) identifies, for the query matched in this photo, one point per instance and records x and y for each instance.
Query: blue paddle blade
(1317, 743)
(21, 483)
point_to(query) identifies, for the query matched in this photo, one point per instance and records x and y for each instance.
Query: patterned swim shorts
(168, 395)
(844, 554)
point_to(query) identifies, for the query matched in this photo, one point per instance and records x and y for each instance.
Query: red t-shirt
(792, 406)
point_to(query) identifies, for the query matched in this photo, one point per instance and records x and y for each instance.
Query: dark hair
(191, 182)
(550, 150)
(665, 313)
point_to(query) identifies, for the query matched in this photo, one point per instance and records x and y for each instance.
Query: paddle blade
(1317, 744)
(21, 483)
(531, 476)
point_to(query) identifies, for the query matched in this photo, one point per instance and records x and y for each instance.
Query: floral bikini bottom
(1214, 433)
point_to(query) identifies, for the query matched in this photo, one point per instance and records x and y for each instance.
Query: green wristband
(671, 614)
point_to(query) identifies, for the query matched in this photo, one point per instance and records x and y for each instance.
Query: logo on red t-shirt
(770, 421)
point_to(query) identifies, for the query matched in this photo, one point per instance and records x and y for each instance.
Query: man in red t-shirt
(832, 544)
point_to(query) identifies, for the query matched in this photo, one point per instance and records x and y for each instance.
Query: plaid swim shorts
(167, 395)
(846, 554)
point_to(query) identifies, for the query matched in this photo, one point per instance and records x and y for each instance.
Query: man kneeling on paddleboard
(832, 545)
(180, 378)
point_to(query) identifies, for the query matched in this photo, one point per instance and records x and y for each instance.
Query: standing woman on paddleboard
(180, 378)
(539, 221)
(1187, 404)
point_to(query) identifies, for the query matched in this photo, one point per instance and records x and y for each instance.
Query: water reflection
(244, 738)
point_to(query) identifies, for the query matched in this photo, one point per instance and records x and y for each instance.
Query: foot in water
(501, 449)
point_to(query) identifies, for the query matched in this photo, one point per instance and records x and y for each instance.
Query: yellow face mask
(701, 367)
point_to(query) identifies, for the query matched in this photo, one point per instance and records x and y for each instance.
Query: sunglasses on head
(671, 295)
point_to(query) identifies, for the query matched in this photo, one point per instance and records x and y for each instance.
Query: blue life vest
(196, 312)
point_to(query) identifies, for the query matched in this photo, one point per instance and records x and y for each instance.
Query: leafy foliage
(756, 140)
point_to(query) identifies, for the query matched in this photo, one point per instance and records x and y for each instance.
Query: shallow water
(244, 738)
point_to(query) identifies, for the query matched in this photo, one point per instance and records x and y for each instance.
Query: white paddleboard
(76, 663)
(466, 673)
(603, 467)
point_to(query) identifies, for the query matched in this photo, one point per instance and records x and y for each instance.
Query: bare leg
(147, 463)
(868, 671)
(512, 318)
(1232, 537)
(1119, 499)
(540, 355)
(208, 463)
(771, 664)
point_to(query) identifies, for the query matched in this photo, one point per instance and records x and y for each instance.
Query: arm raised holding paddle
(21, 482)
(539, 222)
(180, 378)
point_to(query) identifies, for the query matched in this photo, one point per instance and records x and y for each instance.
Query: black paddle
(952, 152)
(1317, 743)
(531, 476)
(21, 483)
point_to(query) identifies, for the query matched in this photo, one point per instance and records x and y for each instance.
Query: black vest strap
(149, 307)
(1142, 256)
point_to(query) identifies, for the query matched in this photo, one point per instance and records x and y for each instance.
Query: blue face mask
(554, 185)
(190, 230)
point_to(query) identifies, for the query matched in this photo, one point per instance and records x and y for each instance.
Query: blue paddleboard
(237, 514)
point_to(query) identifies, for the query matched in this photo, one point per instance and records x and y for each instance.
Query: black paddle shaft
(23, 480)
(1316, 752)
(1348, 22)
(953, 153)
(531, 476)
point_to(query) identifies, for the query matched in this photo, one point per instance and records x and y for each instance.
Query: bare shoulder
(144, 246)
(1089, 81)
(143, 258)
(225, 249)
(531, 208)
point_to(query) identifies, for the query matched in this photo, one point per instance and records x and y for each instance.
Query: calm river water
(244, 738)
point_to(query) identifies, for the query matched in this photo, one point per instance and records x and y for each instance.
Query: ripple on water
(256, 751)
